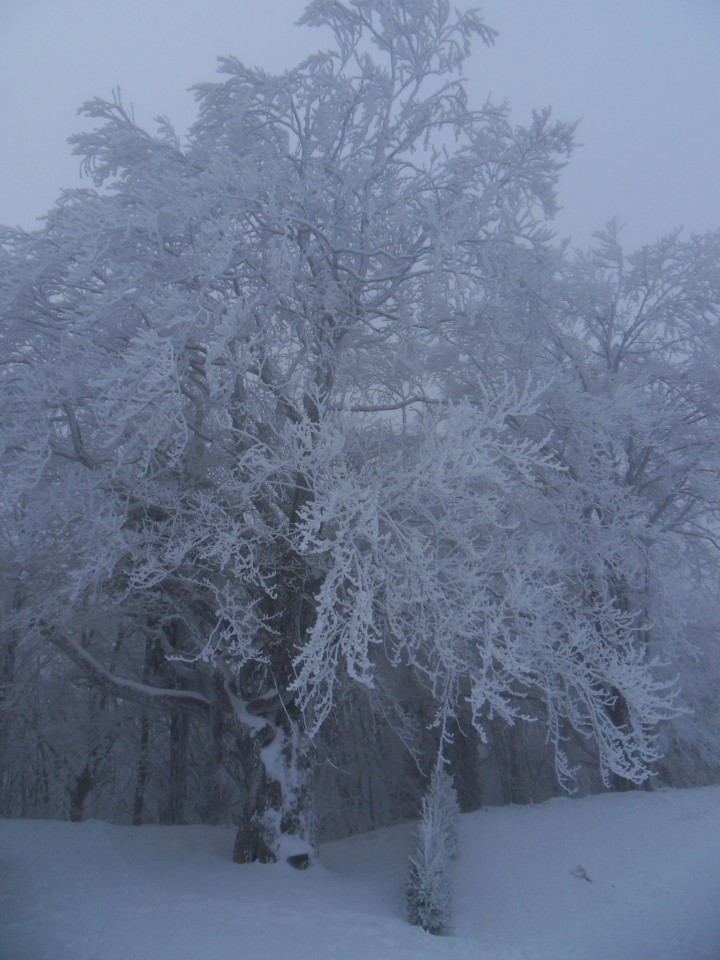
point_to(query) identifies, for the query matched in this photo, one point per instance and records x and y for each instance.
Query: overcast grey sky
(642, 75)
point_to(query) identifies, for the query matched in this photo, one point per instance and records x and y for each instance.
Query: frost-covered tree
(625, 350)
(635, 416)
(237, 483)
(429, 890)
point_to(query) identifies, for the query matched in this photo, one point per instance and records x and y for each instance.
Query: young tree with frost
(226, 436)
(429, 890)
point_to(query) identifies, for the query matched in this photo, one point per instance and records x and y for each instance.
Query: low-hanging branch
(129, 689)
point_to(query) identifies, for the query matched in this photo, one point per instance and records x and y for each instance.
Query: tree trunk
(78, 795)
(178, 767)
(276, 824)
(142, 772)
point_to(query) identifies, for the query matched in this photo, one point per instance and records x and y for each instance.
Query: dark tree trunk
(619, 714)
(277, 822)
(142, 771)
(178, 767)
(78, 795)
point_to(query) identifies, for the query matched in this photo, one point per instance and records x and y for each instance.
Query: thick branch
(123, 686)
(384, 408)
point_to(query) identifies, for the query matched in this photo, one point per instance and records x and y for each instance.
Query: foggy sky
(642, 76)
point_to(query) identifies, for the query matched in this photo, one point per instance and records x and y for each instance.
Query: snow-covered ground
(615, 877)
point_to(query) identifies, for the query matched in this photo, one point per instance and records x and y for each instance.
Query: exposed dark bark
(79, 794)
(142, 770)
(178, 767)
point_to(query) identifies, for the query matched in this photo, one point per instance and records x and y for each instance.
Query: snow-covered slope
(617, 877)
